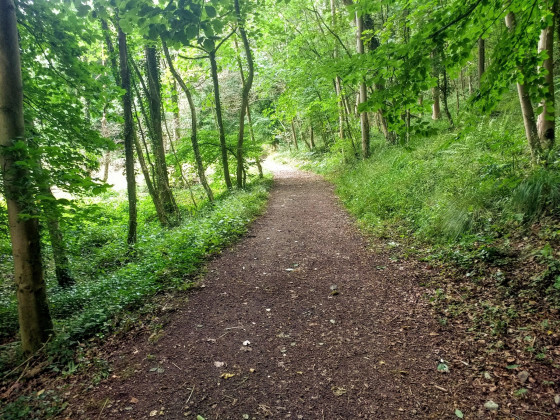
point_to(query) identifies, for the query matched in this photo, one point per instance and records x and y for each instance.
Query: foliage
(108, 283)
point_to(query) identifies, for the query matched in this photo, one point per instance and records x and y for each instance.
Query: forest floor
(265, 335)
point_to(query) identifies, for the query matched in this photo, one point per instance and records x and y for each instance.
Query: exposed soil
(267, 336)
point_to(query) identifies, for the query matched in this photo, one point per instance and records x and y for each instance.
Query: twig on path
(242, 382)
(222, 335)
(544, 413)
(173, 363)
(103, 408)
(233, 328)
(440, 388)
(188, 399)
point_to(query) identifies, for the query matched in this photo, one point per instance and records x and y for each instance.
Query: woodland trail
(370, 351)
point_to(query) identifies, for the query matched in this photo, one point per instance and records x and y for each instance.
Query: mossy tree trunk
(154, 100)
(34, 316)
(129, 136)
(219, 120)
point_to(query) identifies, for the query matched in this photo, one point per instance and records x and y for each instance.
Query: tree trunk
(294, 136)
(257, 159)
(218, 104)
(128, 135)
(176, 116)
(445, 92)
(161, 178)
(34, 316)
(545, 121)
(244, 95)
(151, 189)
(436, 111)
(60, 256)
(194, 125)
(527, 111)
(311, 137)
(364, 122)
(106, 165)
(337, 80)
(481, 60)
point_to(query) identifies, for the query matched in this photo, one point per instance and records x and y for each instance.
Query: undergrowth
(107, 283)
(463, 195)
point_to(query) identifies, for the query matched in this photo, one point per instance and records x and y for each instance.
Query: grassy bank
(465, 197)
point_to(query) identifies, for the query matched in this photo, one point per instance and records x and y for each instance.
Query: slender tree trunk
(34, 316)
(257, 159)
(481, 60)
(249, 119)
(527, 111)
(457, 97)
(294, 136)
(107, 155)
(194, 129)
(176, 116)
(311, 137)
(546, 120)
(162, 177)
(60, 256)
(445, 92)
(128, 135)
(436, 111)
(106, 165)
(218, 104)
(337, 80)
(149, 184)
(364, 122)
(247, 84)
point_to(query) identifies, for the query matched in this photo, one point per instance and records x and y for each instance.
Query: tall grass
(447, 187)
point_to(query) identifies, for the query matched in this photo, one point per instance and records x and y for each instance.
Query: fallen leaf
(153, 413)
(459, 413)
(227, 375)
(219, 364)
(338, 391)
(523, 376)
(443, 368)
(41, 392)
(134, 400)
(491, 405)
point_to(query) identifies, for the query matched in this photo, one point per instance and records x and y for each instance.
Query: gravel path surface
(298, 320)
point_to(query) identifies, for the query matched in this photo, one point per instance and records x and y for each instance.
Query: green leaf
(210, 11)
(442, 367)
(459, 413)
(191, 31)
(520, 392)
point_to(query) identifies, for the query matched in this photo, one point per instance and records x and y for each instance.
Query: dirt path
(370, 351)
